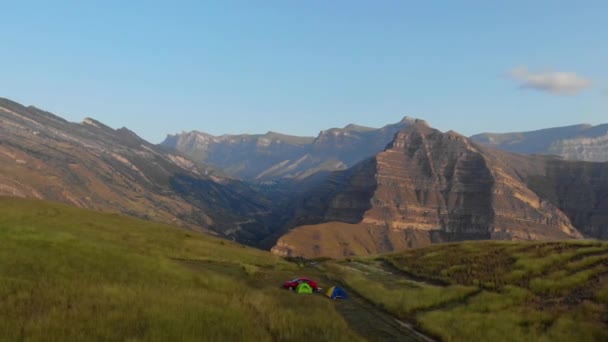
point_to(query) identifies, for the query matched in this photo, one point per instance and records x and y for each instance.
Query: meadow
(73, 274)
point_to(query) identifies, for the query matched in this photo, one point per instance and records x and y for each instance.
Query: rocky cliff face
(429, 186)
(94, 166)
(582, 148)
(578, 142)
(274, 156)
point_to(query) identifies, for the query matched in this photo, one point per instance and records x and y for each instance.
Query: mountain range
(273, 155)
(351, 190)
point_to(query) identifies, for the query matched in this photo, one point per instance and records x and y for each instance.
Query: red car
(292, 284)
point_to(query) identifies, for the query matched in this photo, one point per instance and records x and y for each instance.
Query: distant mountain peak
(408, 119)
(419, 126)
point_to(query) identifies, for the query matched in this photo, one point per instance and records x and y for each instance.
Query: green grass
(72, 274)
(602, 295)
(402, 299)
(587, 262)
(480, 320)
(503, 291)
(560, 284)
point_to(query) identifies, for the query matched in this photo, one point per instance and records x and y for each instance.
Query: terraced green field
(72, 274)
(499, 291)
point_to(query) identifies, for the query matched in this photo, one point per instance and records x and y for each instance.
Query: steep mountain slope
(426, 187)
(580, 190)
(578, 142)
(94, 166)
(272, 155)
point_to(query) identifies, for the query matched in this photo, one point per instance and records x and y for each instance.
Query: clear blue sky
(302, 66)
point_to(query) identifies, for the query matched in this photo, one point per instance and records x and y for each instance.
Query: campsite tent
(304, 288)
(336, 292)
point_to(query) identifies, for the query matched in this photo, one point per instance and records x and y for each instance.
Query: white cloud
(555, 82)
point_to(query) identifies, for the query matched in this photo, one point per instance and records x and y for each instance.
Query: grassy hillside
(72, 274)
(486, 291)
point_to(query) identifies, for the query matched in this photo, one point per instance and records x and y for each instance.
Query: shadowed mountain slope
(580, 190)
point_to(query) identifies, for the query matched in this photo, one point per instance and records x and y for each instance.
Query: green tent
(303, 288)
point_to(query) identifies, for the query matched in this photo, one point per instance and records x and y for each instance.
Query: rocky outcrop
(578, 142)
(429, 186)
(274, 156)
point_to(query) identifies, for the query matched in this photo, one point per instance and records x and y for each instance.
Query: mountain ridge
(272, 156)
(428, 187)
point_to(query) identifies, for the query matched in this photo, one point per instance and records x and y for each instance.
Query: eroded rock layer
(441, 184)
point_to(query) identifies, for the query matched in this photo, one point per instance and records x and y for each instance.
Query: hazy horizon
(299, 68)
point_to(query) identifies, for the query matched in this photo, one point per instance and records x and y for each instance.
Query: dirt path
(370, 321)
(374, 324)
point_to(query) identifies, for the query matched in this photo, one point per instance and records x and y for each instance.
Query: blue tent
(336, 292)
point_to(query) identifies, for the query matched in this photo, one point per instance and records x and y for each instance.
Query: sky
(298, 67)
